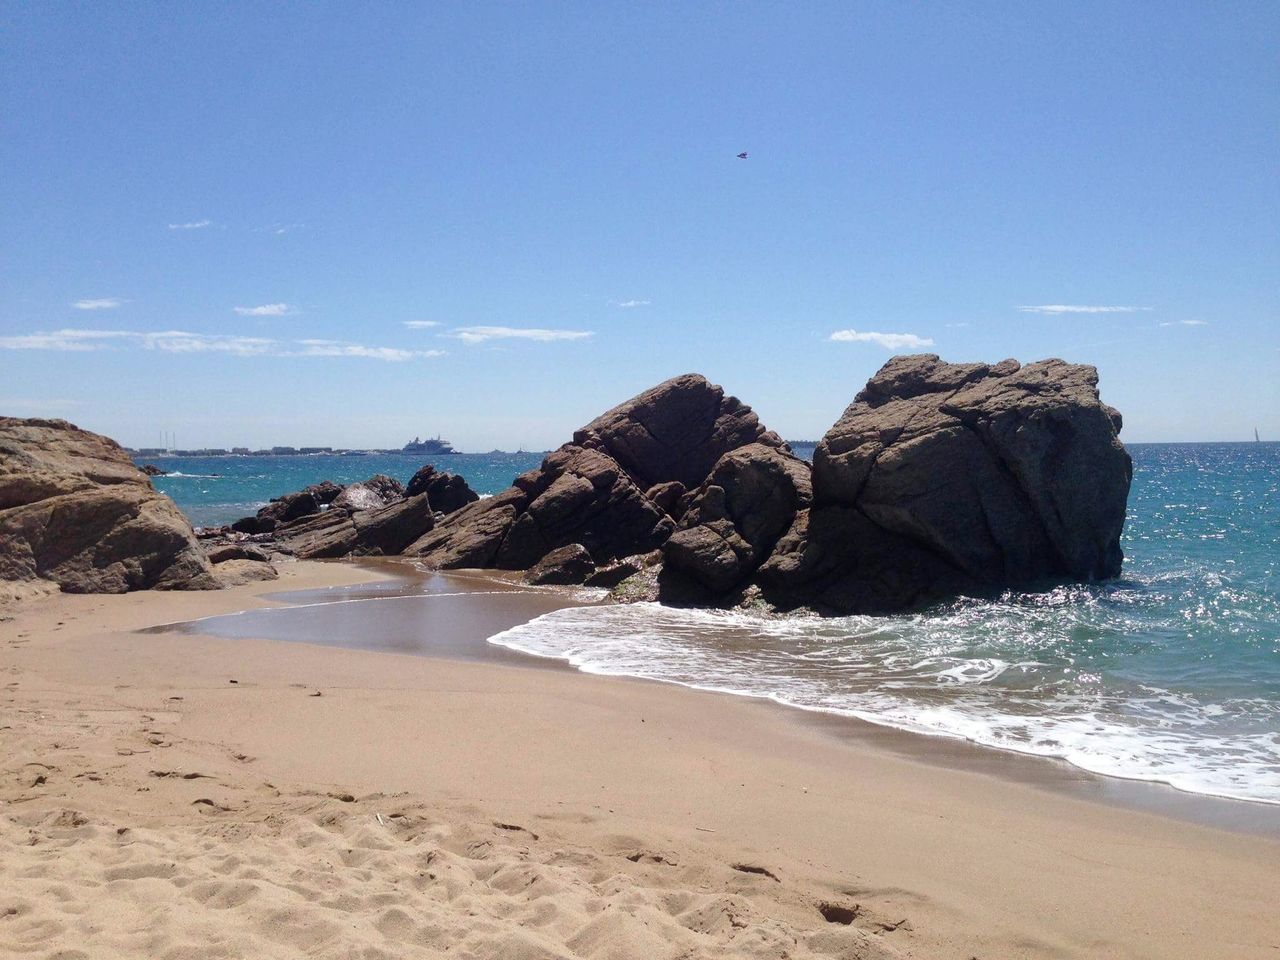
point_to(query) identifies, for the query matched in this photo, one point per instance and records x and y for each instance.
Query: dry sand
(152, 807)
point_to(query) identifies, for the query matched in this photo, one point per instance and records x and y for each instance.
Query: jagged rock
(470, 538)
(151, 470)
(577, 496)
(448, 491)
(224, 552)
(675, 431)
(592, 491)
(75, 510)
(564, 565)
(946, 477)
(381, 531)
(233, 573)
(290, 507)
(737, 515)
(668, 497)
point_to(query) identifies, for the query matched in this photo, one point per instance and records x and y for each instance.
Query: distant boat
(1256, 438)
(432, 447)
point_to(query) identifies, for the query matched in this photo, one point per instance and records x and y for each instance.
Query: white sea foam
(930, 673)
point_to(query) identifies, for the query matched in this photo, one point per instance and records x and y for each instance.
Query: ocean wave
(1050, 683)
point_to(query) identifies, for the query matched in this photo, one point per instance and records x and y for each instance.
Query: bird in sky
(742, 155)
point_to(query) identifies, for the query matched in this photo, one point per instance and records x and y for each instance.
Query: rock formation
(939, 479)
(375, 517)
(737, 515)
(944, 477)
(448, 491)
(592, 492)
(75, 510)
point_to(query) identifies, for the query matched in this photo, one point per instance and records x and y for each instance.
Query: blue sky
(349, 224)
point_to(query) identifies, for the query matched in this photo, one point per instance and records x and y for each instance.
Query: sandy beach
(174, 795)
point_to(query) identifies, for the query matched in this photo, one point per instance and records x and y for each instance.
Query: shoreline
(581, 773)
(938, 749)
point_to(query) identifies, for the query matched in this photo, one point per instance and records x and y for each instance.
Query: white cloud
(193, 225)
(66, 340)
(420, 324)
(102, 303)
(890, 341)
(481, 334)
(339, 348)
(1056, 309)
(181, 341)
(266, 310)
(1184, 323)
(628, 304)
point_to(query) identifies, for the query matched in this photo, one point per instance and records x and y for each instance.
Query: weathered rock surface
(223, 552)
(593, 491)
(75, 510)
(944, 477)
(675, 431)
(564, 565)
(382, 531)
(737, 515)
(448, 491)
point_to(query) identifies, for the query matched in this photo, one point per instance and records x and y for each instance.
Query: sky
(348, 224)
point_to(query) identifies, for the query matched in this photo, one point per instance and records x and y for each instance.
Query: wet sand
(185, 795)
(451, 615)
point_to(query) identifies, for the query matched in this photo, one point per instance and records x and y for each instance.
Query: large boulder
(943, 477)
(737, 515)
(75, 510)
(448, 491)
(595, 491)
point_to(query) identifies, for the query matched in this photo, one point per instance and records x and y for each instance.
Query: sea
(1170, 673)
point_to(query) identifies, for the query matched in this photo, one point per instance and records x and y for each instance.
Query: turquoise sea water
(218, 490)
(1170, 673)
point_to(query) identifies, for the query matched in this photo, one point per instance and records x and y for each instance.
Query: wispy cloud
(1057, 309)
(66, 340)
(628, 304)
(192, 225)
(101, 303)
(481, 334)
(265, 310)
(181, 341)
(339, 348)
(1184, 323)
(890, 341)
(420, 324)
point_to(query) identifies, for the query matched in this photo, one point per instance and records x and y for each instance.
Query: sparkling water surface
(1170, 673)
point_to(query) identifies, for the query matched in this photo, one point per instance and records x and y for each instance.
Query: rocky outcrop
(75, 510)
(337, 532)
(944, 477)
(737, 515)
(595, 491)
(448, 491)
(675, 431)
(290, 507)
(564, 565)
